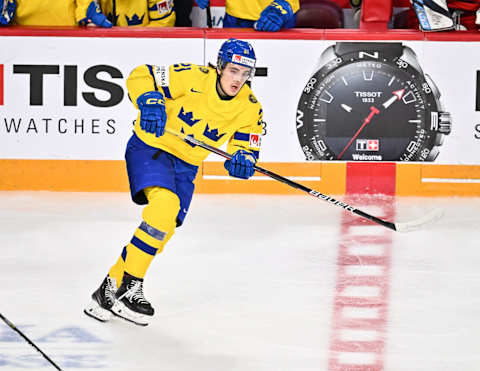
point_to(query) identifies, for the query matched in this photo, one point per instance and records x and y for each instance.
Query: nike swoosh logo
(194, 91)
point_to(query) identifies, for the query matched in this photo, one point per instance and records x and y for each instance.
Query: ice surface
(249, 283)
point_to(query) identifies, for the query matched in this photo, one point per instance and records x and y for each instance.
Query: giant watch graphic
(371, 102)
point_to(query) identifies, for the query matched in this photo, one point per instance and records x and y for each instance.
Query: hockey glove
(274, 16)
(202, 4)
(7, 14)
(241, 165)
(95, 16)
(152, 112)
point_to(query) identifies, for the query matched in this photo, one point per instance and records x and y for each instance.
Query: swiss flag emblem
(255, 140)
(372, 144)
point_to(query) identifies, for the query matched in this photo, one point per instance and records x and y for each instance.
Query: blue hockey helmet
(238, 52)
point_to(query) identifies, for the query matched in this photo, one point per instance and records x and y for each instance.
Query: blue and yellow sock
(149, 239)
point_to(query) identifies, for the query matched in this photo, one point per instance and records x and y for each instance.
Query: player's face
(233, 77)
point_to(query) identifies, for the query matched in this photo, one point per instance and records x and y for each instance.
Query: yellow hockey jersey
(251, 9)
(45, 13)
(193, 107)
(155, 13)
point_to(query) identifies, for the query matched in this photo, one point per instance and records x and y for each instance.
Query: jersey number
(182, 67)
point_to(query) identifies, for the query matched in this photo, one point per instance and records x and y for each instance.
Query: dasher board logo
(24, 86)
(371, 102)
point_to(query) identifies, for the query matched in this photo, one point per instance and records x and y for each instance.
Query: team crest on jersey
(255, 140)
(252, 98)
(135, 20)
(203, 69)
(212, 134)
(162, 75)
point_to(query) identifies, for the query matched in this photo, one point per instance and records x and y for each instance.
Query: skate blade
(120, 310)
(95, 311)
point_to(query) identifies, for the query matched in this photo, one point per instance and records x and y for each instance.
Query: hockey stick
(12, 326)
(209, 17)
(399, 226)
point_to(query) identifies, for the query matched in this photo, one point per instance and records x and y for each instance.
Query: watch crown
(444, 123)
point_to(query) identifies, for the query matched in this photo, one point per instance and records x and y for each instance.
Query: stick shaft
(13, 327)
(209, 17)
(289, 182)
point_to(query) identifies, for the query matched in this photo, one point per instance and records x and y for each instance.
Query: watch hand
(397, 95)
(346, 108)
(373, 111)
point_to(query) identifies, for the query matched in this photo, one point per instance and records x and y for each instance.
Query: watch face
(363, 107)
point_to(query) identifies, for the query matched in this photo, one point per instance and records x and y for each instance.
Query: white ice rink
(249, 283)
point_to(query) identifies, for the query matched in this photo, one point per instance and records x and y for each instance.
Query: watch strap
(390, 50)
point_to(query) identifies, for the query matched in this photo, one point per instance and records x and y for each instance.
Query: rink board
(330, 178)
(70, 135)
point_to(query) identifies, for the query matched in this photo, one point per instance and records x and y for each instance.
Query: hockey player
(100, 13)
(262, 15)
(212, 104)
(155, 13)
(38, 12)
(55, 13)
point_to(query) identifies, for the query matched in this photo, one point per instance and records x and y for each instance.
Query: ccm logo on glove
(155, 101)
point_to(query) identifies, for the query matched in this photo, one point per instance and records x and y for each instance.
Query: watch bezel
(406, 62)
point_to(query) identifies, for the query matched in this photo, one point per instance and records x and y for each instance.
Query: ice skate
(130, 303)
(102, 300)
